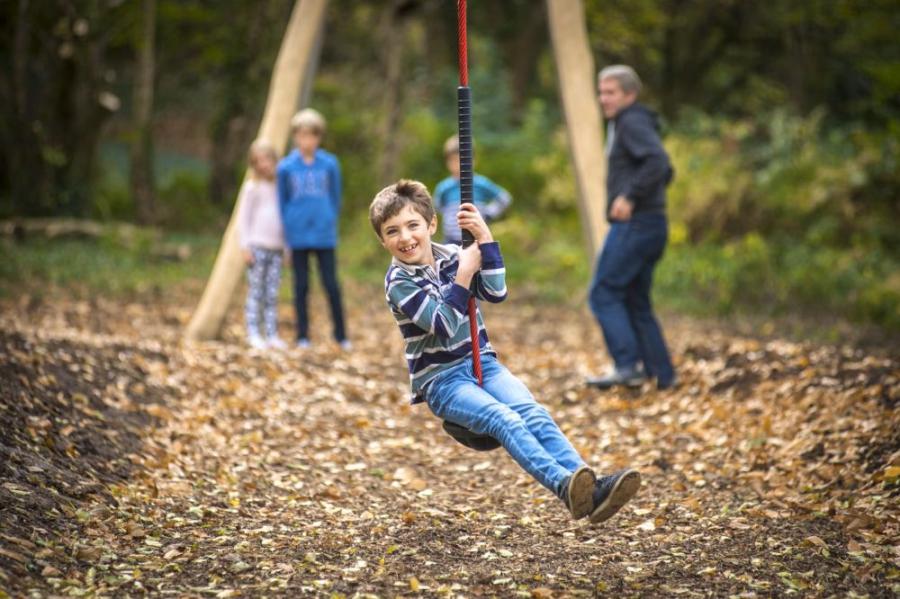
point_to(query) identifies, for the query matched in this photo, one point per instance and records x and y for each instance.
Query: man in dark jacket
(637, 175)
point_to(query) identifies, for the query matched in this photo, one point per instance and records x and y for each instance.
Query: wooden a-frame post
(293, 68)
(577, 87)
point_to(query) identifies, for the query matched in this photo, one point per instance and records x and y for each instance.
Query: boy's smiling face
(408, 237)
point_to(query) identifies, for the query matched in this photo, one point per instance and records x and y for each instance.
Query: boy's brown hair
(392, 199)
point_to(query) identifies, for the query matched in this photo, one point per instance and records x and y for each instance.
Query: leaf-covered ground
(135, 464)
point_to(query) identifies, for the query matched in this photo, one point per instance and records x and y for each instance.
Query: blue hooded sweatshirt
(309, 196)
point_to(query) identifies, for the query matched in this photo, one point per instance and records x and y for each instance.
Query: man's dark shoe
(578, 490)
(630, 377)
(672, 383)
(612, 492)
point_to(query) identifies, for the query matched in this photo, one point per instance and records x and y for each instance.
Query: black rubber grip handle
(464, 113)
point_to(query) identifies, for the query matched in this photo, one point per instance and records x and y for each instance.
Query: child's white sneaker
(303, 344)
(346, 345)
(277, 343)
(257, 342)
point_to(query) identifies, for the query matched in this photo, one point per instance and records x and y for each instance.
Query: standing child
(309, 192)
(428, 286)
(491, 199)
(262, 243)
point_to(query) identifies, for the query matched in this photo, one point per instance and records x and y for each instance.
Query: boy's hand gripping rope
(464, 113)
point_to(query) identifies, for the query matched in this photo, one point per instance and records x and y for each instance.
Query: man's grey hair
(625, 75)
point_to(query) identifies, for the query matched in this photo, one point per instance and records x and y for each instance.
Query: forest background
(782, 120)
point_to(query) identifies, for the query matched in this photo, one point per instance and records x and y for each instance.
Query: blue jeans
(620, 295)
(504, 409)
(328, 274)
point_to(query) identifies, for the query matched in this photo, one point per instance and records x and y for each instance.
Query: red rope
(464, 82)
(476, 341)
(463, 47)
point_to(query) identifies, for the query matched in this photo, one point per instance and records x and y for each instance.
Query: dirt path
(136, 465)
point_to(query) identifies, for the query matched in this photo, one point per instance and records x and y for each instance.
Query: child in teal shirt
(491, 199)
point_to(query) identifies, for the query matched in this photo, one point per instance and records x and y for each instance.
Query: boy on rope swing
(427, 287)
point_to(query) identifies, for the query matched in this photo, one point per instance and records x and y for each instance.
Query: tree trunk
(525, 52)
(142, 183)
(393, 35)
(26, 171)
(291, 68)
(577, 85)
(230, 139)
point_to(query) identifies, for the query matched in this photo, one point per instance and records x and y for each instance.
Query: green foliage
(785, 176)
(532, 162)
(545, 257)
(741, 58)
(184, 203)
(423, 158)
(113, 198)
(776, 216)
(752, 275)
(785, 121)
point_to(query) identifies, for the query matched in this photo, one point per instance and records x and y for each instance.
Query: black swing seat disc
(470, 439)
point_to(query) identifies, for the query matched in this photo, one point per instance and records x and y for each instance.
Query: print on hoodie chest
(309, 183)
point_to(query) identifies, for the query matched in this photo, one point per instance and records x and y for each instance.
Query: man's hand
(286, 257)
(469, 264)
(621, 209)
(248, 256)
(470, 219)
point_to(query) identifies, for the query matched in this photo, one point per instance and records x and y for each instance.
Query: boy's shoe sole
(624, 489)
(581, 492)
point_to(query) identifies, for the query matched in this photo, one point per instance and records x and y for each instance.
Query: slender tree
(393, 35)
(142, 181)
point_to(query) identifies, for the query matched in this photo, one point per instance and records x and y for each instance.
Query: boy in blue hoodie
(309, 194)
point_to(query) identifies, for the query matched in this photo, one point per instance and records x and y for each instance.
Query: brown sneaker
(578, 492)
(612, 492)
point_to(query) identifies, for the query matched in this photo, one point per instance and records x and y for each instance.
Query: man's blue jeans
(504, 409)
(620, 295)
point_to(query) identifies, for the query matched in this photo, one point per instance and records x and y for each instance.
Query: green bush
(784, 175)
(112, 199)
(752, 275)
(184, 203)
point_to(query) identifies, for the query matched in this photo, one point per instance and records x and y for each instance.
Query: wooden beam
(292, 68)
(578, 89)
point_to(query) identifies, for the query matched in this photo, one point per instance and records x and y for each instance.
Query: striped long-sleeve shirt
(431, 310)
